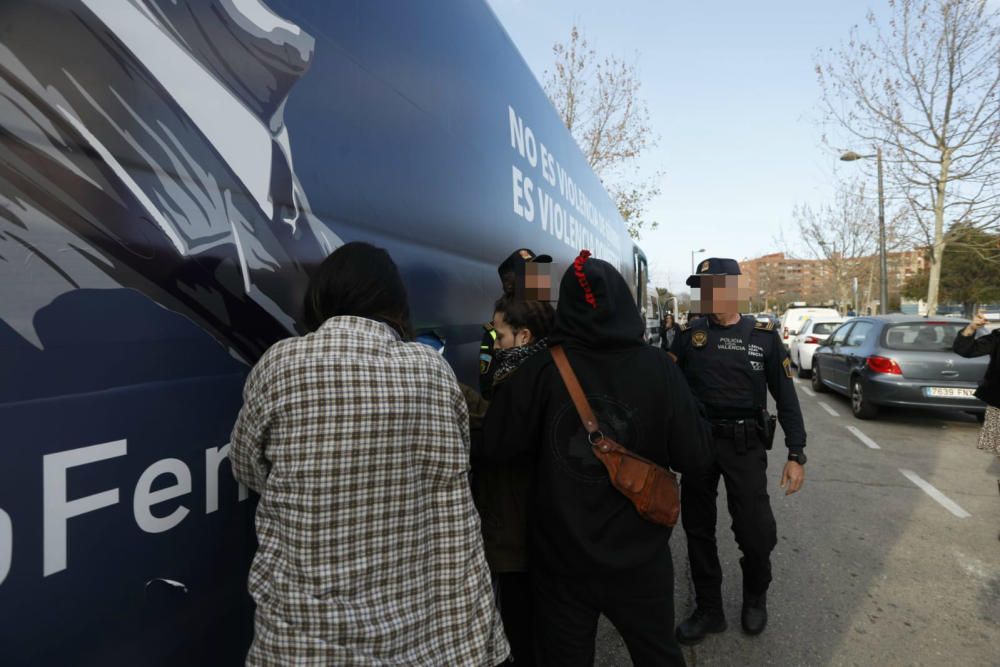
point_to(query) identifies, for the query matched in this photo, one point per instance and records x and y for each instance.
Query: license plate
(949, 392)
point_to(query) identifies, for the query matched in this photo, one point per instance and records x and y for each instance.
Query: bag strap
(576, 393)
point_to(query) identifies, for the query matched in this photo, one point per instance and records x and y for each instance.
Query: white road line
(803, 386)
(863, 438)
(826, 407)
(929, 489)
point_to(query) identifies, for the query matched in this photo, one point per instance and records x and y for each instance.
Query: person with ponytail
(500, 488)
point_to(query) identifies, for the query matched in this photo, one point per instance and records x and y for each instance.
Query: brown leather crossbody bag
(651, 488)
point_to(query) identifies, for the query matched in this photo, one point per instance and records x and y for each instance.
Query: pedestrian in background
(730, 362)
(591, 552)
(967, 345)
(358, 444)
(668, 332)
(501, 488)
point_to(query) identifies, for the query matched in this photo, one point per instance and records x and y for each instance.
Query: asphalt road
(870, 568)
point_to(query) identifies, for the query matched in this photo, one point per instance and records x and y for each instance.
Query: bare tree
(839, 236)
(599, 101)
(925, 86)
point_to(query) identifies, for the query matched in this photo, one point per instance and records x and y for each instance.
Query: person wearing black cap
(590, 550)
(513, 271)
(730, 362)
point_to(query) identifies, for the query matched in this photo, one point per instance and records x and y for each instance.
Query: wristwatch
(798, 456)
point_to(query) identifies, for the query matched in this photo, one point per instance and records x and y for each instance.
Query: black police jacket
(486, 366)
(731, 368)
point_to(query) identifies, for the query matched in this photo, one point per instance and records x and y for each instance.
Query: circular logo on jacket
(699, 338)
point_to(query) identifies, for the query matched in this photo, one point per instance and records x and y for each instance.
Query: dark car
(899, 360)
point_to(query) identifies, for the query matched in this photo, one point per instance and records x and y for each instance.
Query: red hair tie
(588, 294)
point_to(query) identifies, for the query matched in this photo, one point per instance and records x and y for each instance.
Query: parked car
(812, 334)
(898, 360)
(793, 318)
(768, 317)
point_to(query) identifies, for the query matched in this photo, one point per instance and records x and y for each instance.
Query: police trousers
(742, 464)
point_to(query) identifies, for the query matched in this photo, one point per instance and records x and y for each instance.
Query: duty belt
(740, 431)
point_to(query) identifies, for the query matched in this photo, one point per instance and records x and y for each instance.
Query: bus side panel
(171, 171)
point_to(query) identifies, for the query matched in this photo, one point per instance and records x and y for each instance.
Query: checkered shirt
(370, 550)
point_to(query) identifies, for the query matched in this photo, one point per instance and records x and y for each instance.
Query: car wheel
(981, 417)
(861, 407)
(817, 382)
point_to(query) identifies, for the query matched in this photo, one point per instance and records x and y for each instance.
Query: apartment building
(779, 279)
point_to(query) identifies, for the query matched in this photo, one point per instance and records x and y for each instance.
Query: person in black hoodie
(590, 551)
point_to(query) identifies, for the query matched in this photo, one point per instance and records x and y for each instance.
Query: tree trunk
(937, 256)
(868, 293)
(934, 277)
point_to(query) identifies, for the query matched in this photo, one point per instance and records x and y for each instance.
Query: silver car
(899, 360)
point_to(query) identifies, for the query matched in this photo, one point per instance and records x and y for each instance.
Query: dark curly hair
(538, 317)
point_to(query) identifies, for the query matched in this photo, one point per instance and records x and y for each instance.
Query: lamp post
(692, 258)
(851, 156)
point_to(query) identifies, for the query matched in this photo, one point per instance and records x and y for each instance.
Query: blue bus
(170, 173)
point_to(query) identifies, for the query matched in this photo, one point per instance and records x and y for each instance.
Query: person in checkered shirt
(358, 443)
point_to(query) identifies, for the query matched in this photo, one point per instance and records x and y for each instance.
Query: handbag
(651, 488)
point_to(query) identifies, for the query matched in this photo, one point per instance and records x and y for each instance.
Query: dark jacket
(970, 346)
(667, 342)
(581, 524)
(500, 492)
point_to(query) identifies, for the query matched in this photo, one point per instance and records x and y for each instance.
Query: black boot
(754, 615)
(701, 622)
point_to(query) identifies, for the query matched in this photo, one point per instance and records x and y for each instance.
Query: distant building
(777, 279)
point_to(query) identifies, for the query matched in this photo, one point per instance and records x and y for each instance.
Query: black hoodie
(581, 524)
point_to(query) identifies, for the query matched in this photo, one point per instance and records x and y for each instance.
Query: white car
(792, 320)
(810, 336)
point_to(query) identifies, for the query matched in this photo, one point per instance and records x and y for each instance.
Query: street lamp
(851, 156)
(692, 258)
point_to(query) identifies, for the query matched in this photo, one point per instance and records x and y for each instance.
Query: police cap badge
(714, 266)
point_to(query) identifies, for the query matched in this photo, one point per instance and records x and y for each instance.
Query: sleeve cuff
(796, 450)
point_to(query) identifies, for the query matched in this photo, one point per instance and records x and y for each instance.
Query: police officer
(730, 362)
(511, 272)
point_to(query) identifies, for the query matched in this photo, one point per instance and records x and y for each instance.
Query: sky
(732, 93)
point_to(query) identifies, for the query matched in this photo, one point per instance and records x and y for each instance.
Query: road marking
(808, 391)
(863, 438)
(826, 407)
(929, 489)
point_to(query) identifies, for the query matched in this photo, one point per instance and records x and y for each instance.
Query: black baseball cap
(714, 266)
(518, 259)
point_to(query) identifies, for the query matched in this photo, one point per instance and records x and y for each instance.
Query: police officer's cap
(517, 259)
(714, 266)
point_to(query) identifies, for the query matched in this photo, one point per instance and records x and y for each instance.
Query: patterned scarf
(510, 360)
